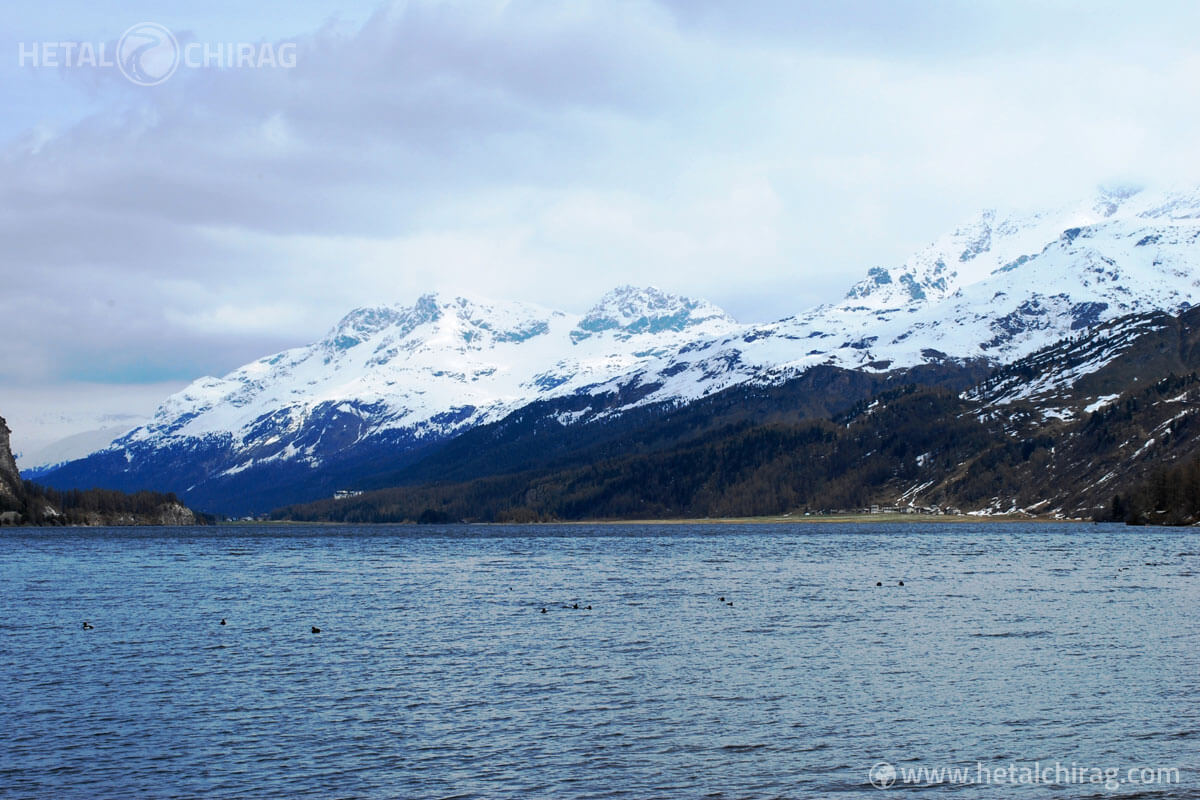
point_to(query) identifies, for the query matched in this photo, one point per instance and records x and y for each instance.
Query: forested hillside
(1071, 453)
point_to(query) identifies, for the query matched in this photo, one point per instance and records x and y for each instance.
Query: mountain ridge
(398, 381)
(921, 449)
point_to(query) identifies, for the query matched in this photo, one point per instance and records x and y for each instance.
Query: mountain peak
(1110, 197)
(473, 319)
(629, 311)
(363, 323)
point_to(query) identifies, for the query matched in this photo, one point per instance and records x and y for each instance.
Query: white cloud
(761, 155)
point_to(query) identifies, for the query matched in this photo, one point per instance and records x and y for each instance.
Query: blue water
(436, 674)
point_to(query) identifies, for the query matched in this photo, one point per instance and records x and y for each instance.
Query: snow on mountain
(998, 288)
(440, 365)
(1051, 376)
(627, 312)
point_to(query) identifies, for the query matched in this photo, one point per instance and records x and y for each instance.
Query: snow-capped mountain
(996, 289)
(430, 369)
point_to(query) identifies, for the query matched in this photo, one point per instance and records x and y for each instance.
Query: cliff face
(11, 491)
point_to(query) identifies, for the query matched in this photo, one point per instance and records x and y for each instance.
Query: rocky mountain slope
(921, 449)
(390, 385)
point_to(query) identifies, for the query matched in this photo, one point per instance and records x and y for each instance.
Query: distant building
(343, 494)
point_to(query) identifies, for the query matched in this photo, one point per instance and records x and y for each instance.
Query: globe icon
(882, 775)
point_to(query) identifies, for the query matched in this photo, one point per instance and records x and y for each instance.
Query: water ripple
(435, 673)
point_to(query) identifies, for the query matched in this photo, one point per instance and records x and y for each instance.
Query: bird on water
(88, 627)
(316, 629)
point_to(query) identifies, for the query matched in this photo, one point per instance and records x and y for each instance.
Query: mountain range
(409, 394)
(1117, 443)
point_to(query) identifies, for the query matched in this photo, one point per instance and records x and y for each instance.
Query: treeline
(1171, 496)
(925, 446)
(533, 440)
(734, 472)
(46, 506)
(738, 470)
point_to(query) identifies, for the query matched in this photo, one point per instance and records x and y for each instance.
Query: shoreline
(813, 519)
(827, 519)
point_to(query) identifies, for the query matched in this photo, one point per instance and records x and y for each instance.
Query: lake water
(1010, 651)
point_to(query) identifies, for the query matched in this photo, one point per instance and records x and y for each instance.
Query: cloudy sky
(760, 154)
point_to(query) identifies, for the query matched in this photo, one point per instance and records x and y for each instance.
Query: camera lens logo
(882, 775)
(147, 54)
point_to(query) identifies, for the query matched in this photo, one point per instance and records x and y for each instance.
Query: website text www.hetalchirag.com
(884, 775)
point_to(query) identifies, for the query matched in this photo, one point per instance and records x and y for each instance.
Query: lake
(1037, 660)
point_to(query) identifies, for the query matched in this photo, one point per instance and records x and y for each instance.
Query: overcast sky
(760, 155)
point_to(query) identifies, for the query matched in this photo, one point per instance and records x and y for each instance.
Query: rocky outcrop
(11, 490)
(165, 514)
